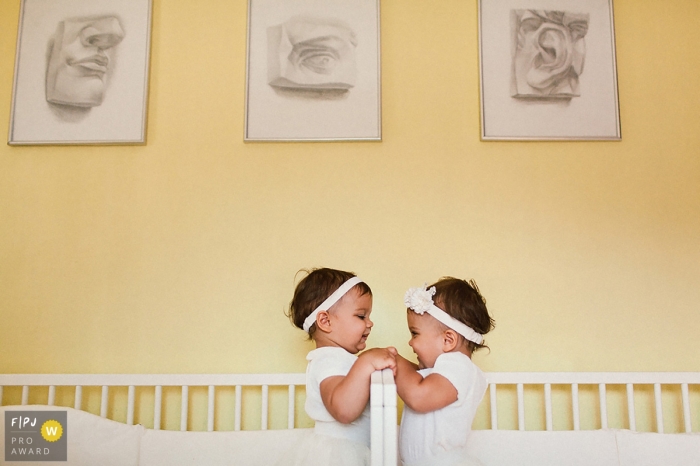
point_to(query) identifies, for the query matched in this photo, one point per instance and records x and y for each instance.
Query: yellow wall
(180, 255)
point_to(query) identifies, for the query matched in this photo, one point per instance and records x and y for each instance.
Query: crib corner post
(390, 412)
(376, 403)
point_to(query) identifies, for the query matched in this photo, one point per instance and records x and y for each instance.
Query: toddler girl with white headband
(334, 307)
(447, 322)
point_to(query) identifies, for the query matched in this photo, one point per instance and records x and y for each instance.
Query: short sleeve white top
(430, 434)
(324, 362)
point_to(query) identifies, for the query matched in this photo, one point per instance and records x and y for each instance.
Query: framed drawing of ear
(81, 72)
(313, 71)
(548, 70)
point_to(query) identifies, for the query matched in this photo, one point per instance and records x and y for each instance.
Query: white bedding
(92, 440)
(244, 448)
(95, 441)
(523, 448)
(649, 449)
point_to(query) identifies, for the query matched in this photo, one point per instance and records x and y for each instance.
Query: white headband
(420, 300)
(331, 300)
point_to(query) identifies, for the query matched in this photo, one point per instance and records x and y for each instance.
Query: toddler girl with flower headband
(334, 307)
(447, 322)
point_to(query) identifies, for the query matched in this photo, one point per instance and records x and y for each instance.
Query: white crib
(526, 418)
(611, 438)
(163, 442)
(157, 382)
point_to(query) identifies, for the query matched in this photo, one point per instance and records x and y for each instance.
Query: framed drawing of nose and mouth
(548, 70)
(81, 72)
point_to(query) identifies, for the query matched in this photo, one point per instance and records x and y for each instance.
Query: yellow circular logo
(51, 430)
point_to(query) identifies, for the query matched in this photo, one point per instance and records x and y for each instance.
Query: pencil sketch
(81, 58)
(311, 58)
(549, 51)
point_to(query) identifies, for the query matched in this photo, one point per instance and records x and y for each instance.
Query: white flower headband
(331, 300)
(420, 300)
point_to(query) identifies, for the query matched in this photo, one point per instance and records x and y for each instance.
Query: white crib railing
(383, 399)
(183, 382)
(683, 380)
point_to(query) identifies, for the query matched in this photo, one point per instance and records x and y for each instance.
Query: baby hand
(380, 358)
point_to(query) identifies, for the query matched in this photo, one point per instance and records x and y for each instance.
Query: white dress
(440, 437)
(332, 442)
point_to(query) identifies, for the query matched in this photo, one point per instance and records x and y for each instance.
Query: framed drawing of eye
(81, 72)
(313, 71)
(548, 70)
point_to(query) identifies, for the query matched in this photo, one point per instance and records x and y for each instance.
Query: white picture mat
(121, 116)
(270, 116)
(593, 115)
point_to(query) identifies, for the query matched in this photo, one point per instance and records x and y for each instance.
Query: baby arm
(345, 397)
(420, 394)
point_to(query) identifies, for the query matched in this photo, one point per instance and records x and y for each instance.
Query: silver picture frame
(313, 71)
(548, 70)
(81, 72)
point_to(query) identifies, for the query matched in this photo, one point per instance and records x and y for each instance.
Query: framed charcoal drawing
(548, 70)
(313, 71)
(81, 72)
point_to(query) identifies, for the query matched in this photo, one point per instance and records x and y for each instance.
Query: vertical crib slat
(494, 407)
(291, 407)
(630, 407)
(263, 420)
(684, 392)
(574, 406)
(158, 403)
(521, 407)
(238, 408)
(548, 405)
(210, 409)
(78, 396)
(603, 406)
(104, 400)
(130, 405)
(659, 409)
(184, 408)
(52, 395)
(25, 395)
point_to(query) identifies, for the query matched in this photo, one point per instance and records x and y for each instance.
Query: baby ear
(323, 321)
(450, 340)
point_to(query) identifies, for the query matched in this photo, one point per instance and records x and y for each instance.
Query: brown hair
(463, 301)
(314, 288)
